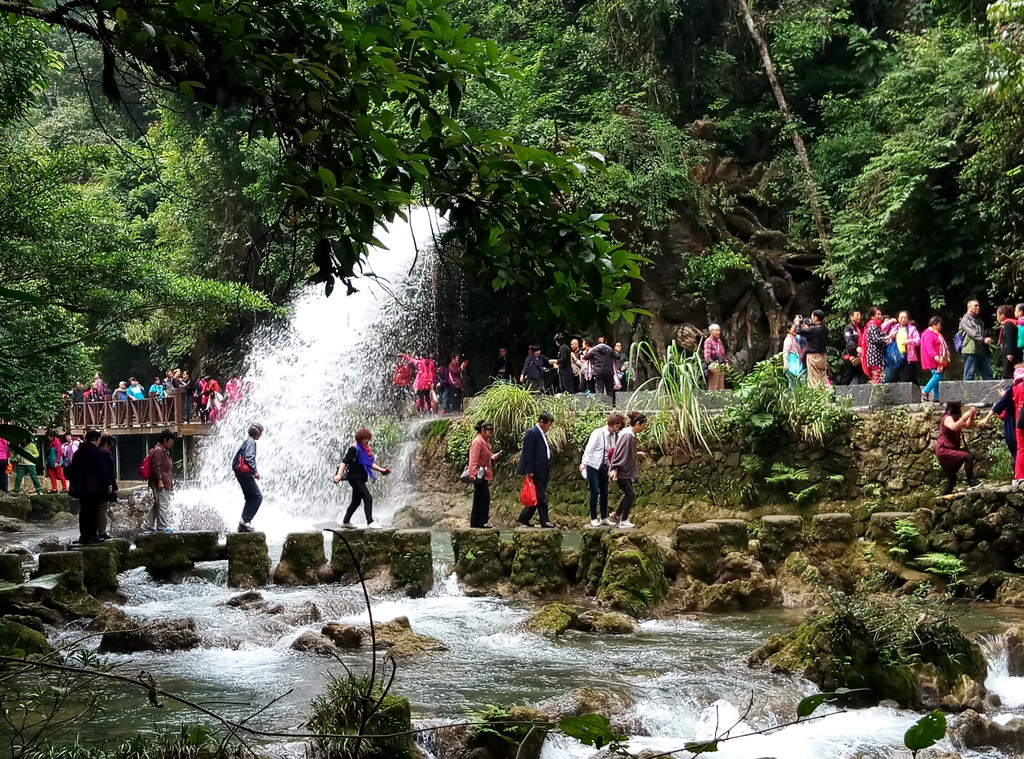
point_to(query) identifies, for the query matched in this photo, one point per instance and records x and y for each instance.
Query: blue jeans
(978, 363)
(253, 495)
(933, 384)
(597, 481)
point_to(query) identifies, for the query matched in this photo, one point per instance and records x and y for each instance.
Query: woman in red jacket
(481, 473)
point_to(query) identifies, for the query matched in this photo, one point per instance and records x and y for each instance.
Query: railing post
(106, 414)
(176, 398)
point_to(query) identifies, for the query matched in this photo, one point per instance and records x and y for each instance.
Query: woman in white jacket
(594, 466)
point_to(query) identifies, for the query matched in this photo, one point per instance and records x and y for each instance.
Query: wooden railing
(148, 414)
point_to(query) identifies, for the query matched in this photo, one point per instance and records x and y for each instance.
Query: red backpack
(146, 467)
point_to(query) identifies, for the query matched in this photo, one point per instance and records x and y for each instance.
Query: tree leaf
(706, 747)
(926, 732)
(328, 177)
(590, 730)
(807, 705)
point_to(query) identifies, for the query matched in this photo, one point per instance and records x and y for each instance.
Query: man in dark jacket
(92, 482)
(161, 484)
(852, 374)
(533, 463)
(602, 357)
(533, 370)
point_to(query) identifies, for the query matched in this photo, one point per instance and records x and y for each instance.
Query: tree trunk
(798, 141)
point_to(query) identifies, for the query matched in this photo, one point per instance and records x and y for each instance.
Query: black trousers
(253, 495)
(852, 375)
(88, 517)
(566, 379)
(360, 492)
(605, 385)
(186, 402)
(481, 513)
(542, 503)
(628, 498)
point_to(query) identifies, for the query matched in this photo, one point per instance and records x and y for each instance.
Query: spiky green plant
(679, 382)
(512, 409)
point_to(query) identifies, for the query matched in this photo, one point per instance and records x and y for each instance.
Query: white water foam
(312, 382)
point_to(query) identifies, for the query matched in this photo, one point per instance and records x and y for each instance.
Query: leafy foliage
(678, 380)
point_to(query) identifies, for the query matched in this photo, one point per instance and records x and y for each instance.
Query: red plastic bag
(528, 495)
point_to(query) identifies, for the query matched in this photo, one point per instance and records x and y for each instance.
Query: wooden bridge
(133, 417)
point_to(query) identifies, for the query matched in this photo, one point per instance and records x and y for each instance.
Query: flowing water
(685, 677)
(316, 379)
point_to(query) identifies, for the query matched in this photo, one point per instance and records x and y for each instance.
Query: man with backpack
(974, 344)
(160, 473)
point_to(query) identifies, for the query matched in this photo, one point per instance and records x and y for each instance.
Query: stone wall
(886, 462)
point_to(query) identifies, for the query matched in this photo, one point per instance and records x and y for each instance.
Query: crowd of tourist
(202, 396)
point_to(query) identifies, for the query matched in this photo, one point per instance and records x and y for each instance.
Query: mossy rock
(553, 619)
(780, 535)
(303, 561)
(832, 528)
(605, 623)
(633, 579)
(46, 505)
(733, 532)
(537, 567)
(19, 641)
(400, 641)
(570, 564)
(698, 547)
(477, 563)
(171, 556)
(122, 547)
(70, 596)
(372, 548)
(412, 563)
(746, 594)
(248, 560)
(11, 569)
(100, 565)
(15, 506)
(593, 552)
(892, 648)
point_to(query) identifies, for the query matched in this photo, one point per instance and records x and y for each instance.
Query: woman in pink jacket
(934, 357)
(424, 381)
(904, 333)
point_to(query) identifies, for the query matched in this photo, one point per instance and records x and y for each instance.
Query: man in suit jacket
(534, 464)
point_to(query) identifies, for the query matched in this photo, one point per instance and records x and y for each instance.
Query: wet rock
(371, 548)
(32, 623)
(46, 505)
(733, 532)
(51, 544)
(477, 565)
(499, 736)
(399, 639)
(737, 565)
(122, 548)
(250, 600)
(10, 568)
(338, 712)
(70, 596)
(161, 635)
(592, 555)
(605, 623)
(8, 524)
(248, 560)
(305, 613)
(303, 561)
(893, 648)
(63, 520)
(570, 564)
(582, 701)
(172, 556)
(506, 555)
(753, 592)
(971, 730)
(15, 506)
(780, 535)
(343, 636)
(882, 527)
(1013, 641)
(698, 547)
(110, 619)
(672, 566)
(314, 643)
(412, 563)
(18, 640)
(1011, 592)
(553, 619)
(633, 578)
(537, 567)
(100, 565)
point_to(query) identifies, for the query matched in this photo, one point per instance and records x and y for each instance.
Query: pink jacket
(934, 344)
(913, 337)
(424, 372)
(5, 453)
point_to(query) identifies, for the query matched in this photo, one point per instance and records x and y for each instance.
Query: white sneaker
(625, 524)
(595, 523)
(374, 526)
(1018, 483)
(606, 522)
(348, 525)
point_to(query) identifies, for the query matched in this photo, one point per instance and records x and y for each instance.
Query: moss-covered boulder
(339, 712)
(477, 564)
(372, 549)
(344, 636)
(553, 619)
(412, 563)
(122, 547)
(734, 533)
(100, 565)
(570, 564)
(70, 596)
(159, 635)
(15, 506)
(248, 560)
(780, 535)
(18, 640)
(893, 648)
(882, 526)
(514, 733)
(605, 623)
(314, 643)
(10, 568)
(537, 567)
(837, 528)
(400, 641)
(172, 556)
(698, 547)
(303, 561)
(633, 578)
(739, 594)
(593, 551)
(46, 505)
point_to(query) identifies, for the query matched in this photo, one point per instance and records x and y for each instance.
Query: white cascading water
(313, 382)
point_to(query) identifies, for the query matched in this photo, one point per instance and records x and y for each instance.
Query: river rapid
(684, 676)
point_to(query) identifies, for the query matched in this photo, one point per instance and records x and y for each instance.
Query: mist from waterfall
(314, 380)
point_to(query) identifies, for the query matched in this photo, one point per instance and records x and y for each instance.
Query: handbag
(242, 467)
(481, 473)
(793, 365)
(528, 493)
(893, 357)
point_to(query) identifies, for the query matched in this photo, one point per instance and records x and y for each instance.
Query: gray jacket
(248, 453)
(624, 456)
(974, 333)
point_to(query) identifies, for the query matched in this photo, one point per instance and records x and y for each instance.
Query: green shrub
(512, 409)
(339, 711)
(460, 435)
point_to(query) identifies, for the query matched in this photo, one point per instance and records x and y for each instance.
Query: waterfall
(313, 381)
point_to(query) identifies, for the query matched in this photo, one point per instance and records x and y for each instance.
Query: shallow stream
(684, 676)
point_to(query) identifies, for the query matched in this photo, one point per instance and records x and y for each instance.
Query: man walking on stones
(92, 483)
(975, 349)
(534, 464)
(244, 467)
(161, 483)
